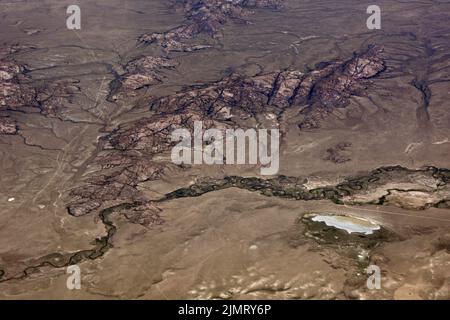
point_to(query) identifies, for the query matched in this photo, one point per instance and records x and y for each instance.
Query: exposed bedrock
(139, 73)
(8, 126)
(205, 16)
(17, 90)
(127, 152)
(314, 94)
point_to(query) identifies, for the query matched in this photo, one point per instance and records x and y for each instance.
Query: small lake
(348, 223)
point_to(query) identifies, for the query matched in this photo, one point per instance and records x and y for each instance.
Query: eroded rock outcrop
(315, 94)
(338, 153)
(7, 126)
(125, 172)
(147, 215)
(17, 91)
(205, 16)
(55, 97)
(140, 73)
(232, 101)
(337, 83)
(12, 93)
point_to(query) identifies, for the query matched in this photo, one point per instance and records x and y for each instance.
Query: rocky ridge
(205, 16)
(234, 101)
(18, 91)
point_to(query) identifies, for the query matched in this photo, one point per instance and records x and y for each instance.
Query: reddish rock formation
(128, 152)
(146, 215)
(53, 98)
(338, 84)
(7, 126)
(12, 93)
(315, 93)
(16, 90)
(205, 16)
(126, 171)
(140, 73)
(337, 154)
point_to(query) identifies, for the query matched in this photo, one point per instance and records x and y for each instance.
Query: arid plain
(86, 175)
